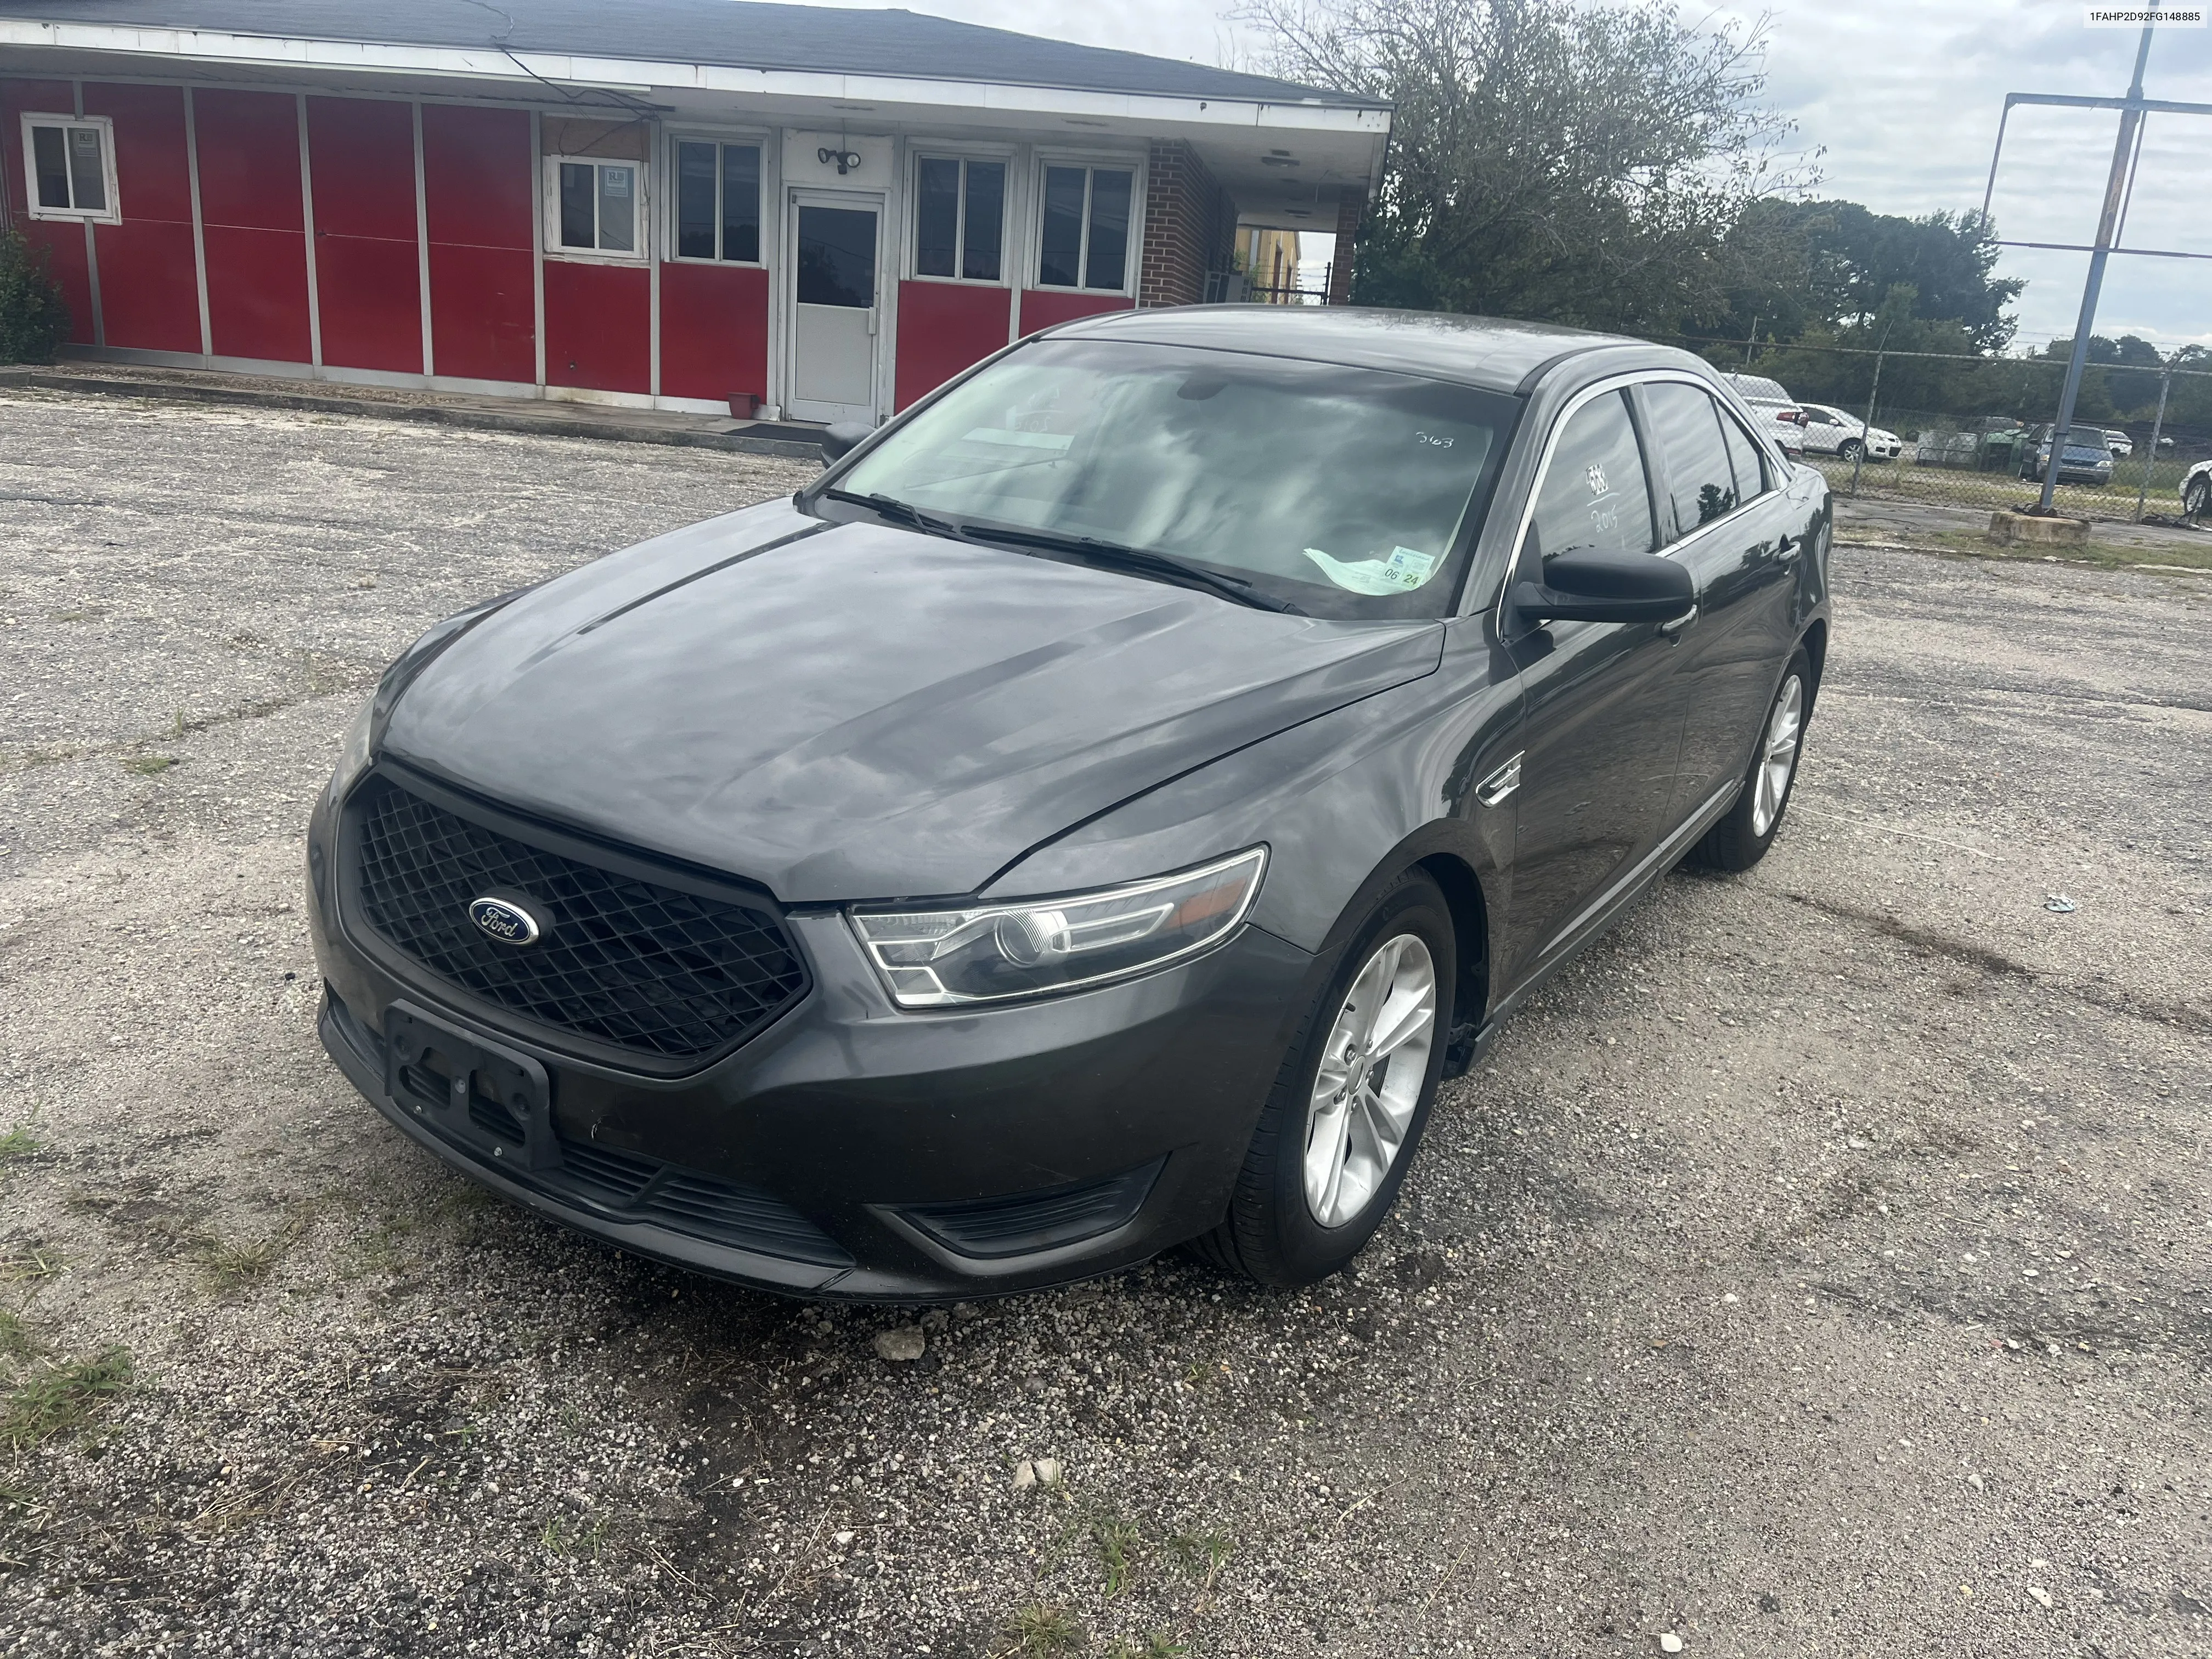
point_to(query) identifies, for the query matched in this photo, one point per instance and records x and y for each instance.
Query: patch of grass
(15, 1342)
(147, 766)
(1042, 1630)
(59, 1397)
(1117, 1540)
(1158, 1645)
(563, 1537)
(227, 1268)
(19, 1142)
(1201, 1554)
(32, 1265)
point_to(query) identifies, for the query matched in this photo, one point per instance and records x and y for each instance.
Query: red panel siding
(1043, 307)
(148, 290)
(253, 223)
(149, 293)
(249, 160)
(63, 241)
(482, 313)
(480, 179)
(258, 293)
(598, 326)
(480, 196)
(943, 327)
(361, 158)
(714, 331)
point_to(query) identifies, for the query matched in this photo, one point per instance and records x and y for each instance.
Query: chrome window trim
(1621, 382)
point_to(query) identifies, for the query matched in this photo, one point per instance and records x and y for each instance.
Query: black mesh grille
(623, 960)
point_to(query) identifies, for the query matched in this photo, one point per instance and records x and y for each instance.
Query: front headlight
(356, 752)
(983, 953)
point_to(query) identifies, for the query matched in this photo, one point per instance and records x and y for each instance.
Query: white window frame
(110, 215)
(1009, 267)
(550, 184)
(1091, 162)
(765, 143)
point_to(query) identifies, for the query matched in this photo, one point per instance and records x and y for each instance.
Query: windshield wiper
(898, 512)
(1101, 551)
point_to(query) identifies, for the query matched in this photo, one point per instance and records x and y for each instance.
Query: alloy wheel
(1372, 1075)
(1777, 756)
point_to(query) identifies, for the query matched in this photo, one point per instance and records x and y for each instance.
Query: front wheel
(1741, 839)
(2197, 499)
(1350, 1100)
(1849, 449)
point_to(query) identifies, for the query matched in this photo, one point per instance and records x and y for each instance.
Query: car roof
(1494, 353)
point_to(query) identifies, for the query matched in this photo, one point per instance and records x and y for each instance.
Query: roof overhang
(1285, 162)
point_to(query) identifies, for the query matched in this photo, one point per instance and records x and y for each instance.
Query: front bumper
(853, 1150)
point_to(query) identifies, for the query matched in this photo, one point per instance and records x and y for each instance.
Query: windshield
(1346, 492)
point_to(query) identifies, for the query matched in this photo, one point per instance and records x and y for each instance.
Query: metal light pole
(2114, 192)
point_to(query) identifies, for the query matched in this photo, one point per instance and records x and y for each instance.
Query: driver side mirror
(841, 439)
(1588, 586)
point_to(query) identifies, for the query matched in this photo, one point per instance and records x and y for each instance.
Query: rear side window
(1593, 495)
(1687, 424)
(1745, 460)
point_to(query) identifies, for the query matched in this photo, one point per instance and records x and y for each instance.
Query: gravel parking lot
(1823, 1266)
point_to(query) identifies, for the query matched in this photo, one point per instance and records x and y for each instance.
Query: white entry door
(834, 317)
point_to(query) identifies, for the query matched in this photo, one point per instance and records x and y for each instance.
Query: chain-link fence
(1974, 432)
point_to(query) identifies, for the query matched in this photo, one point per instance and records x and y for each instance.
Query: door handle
(871, 319)
(1673, 629)
(1787, 548)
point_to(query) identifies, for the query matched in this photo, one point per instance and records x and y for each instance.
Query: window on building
(959, 215)
(718, 201)
(597, 207)
(71, 164)
(1084, 241)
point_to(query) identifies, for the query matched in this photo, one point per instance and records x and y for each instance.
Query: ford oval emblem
(505, 921)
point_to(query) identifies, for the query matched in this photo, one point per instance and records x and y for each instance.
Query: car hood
(854, 711)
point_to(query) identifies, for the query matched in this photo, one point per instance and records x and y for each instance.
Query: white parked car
(2196, 491)
(1784, 415)
(2118, 442)
(1831, 431)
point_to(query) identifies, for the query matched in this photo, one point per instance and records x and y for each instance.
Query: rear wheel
(1741, 839)
(2197, 500)
(1349, 1100)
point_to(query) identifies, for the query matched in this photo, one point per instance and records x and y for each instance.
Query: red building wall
(480, 194)
(1043, 307)
(63, 240)
(368, 286)
(943, 328)
(714, 331)
(253, 223)
(149, 293)
(598, 325)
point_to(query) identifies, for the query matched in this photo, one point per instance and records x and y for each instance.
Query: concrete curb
(535, 420)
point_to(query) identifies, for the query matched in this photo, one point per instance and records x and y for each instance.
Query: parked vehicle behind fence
(1832, 431)
(1784, 417)
(2085, 460)
(1090, 819)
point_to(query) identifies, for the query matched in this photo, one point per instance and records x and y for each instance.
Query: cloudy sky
(1903, 101)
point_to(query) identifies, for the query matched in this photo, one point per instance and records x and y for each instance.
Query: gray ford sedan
(1091, 817)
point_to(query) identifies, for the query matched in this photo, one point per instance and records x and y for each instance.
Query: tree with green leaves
(1550, 159)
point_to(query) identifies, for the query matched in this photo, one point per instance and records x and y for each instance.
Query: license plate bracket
(487, 1097)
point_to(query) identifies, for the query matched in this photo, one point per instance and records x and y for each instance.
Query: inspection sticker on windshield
(1405, 570)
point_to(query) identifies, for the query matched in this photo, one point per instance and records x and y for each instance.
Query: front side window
(1348, 492)
(71, 167)
(1594, 496)
(1083, 232)
(718, 202)
(1745, 460)
(960, 214)
(597, 207)
(1687, 424)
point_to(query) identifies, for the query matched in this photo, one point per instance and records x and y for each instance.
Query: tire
(1848, 448)
(1741, 839)
(1274, 1233)
(2197, 502)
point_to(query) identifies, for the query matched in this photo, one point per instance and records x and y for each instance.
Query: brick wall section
(1350, 208)
(1189, 227)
